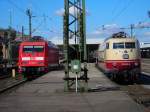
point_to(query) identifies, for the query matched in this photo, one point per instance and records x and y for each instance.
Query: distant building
(145, 49)
(6, 35)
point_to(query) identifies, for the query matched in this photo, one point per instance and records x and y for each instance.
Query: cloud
(60, 12)
(59, 40)
(97, 32)
(72, 10)
(144, 24)
(147, 34)
(111, 26)
(107, 30)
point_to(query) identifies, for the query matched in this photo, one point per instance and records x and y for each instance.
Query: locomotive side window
(118, 45)
(107, 45)
(28, 49)
(130, 45)
(38, 48)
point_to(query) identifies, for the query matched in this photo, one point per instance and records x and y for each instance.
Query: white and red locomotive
(36, 56)
(119, 56)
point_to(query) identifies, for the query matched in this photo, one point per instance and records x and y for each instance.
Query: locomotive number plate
(125, 56)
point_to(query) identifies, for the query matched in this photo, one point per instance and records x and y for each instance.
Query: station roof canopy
(96, 41)
(145, 44)
(72, 41)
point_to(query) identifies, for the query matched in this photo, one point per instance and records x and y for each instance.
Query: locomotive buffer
(74, 28)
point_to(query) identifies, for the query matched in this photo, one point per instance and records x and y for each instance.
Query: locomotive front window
(130, 45)
(28, 49)
(38, 48)
(107, 45)
(118, 45)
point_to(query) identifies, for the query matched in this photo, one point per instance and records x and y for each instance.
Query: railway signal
(74, 27)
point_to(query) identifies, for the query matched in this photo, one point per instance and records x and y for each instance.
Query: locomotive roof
(38, 40)
(121, 39)
(50, 44)
(120, 36)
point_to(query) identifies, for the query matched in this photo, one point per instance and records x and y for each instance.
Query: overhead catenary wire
(16, 6)
(36, 7)
(142, 27)
(41, 23)
(122, 11)
(40, 15)
(21, 10)
(116, 6)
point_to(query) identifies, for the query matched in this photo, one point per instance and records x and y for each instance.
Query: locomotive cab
(120, 57)
(32, 57)
(33, 52)
(123, 54)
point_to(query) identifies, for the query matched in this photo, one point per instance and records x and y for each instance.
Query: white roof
(144, 44)
(59, 41)
(72, 41)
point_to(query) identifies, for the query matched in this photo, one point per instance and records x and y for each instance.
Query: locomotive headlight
(39, 58)
(25, 58)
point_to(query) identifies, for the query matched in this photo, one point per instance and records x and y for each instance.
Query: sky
(47, 18)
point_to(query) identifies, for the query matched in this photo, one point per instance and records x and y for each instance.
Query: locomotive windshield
(127, 45)
(118, 45)
(30, 49)
(38, 48)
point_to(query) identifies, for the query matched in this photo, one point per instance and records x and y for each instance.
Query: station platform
(45, 94)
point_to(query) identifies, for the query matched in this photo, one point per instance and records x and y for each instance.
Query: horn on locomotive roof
(119, 35)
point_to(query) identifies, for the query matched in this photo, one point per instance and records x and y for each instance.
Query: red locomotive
(37, 55)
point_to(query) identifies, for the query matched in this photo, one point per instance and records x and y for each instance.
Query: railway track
(12, 86)
(4, 76)
(138, 92)
(10, 83)
(7, 83)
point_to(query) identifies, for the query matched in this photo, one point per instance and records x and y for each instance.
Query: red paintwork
(119, 65)
(50, 56)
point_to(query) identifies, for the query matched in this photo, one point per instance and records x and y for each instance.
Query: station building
(145, 49)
